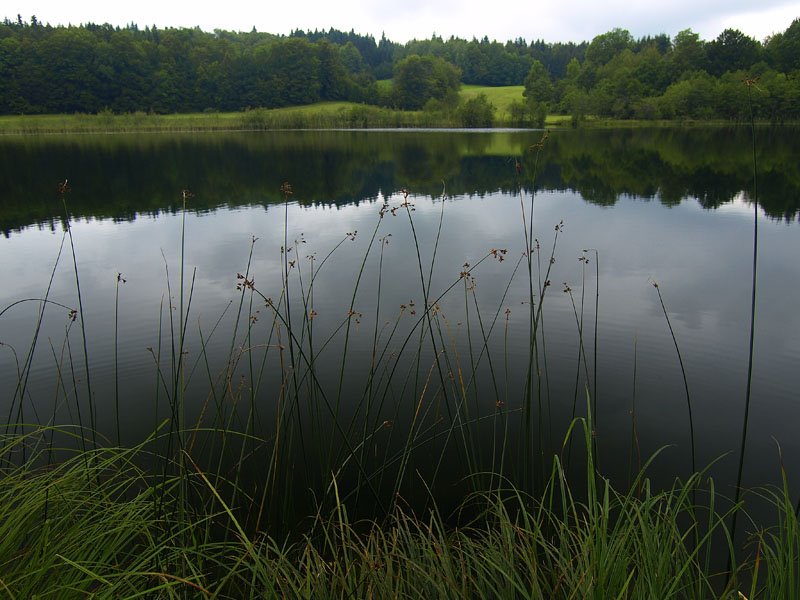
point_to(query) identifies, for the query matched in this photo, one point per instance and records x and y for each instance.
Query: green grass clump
(87, 524)
(96, 524)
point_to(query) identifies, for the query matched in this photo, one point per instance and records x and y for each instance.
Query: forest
(94, 68)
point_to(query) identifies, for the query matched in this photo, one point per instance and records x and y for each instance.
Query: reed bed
(327, 115)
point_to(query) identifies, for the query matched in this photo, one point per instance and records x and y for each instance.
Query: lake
(305, 311)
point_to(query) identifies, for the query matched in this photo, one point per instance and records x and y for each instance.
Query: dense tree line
(684, 77)
(95, 67)
(91, 68)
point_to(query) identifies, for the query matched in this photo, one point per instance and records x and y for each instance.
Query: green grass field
(322, 115)
(501, 97)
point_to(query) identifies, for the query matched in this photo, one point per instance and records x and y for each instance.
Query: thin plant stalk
(596, 319)
(22, 380)
(116, 355)
(581, 361)
(534, 314)
(746, 419)
(683, 374)
(63, 189)
(634, 434)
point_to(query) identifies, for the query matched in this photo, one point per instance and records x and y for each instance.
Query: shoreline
(338, 116)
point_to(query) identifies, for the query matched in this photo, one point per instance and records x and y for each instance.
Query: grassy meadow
(501, 97)
(322, 115)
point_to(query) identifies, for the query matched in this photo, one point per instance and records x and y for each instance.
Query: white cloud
(567, 20)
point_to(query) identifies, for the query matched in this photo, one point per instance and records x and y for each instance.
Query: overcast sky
(401, 20)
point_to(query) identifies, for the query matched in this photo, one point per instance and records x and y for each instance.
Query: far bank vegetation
(102, 69)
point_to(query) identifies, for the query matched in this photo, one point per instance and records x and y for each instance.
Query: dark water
(670, 206)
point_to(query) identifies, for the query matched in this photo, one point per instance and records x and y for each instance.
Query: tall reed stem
(743, 444)
(116, 355)
(683, 374)
(63, 189)
(533, 315)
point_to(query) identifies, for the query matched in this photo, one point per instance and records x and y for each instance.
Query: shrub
(477, 112)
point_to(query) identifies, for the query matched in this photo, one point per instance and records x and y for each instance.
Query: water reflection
(122, 176)
(126, 219)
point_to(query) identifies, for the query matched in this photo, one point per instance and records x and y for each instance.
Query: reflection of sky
(739, 206)
(701, 260)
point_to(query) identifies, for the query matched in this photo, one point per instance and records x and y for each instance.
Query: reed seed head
(244, 282)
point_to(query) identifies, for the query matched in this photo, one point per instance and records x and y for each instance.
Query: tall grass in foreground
(90, 527)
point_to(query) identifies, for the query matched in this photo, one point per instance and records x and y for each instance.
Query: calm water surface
(666, 206)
